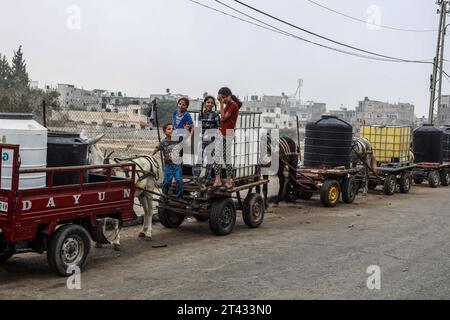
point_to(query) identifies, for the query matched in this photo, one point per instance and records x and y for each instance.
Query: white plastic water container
(21, 129)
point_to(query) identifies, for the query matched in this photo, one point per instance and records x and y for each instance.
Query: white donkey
(147, 176)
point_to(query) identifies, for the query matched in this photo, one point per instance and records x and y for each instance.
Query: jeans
(172, 171)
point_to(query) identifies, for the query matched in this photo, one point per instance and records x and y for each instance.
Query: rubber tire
(306, 195)
(349, 189)
(200, 218)
(217, 210)
(418, 180)
(5, 257)
(390, 185)
(434, 179)
(372, 184)
(250, 202)
(445, 177)
(288, 194)
(55, 246)
(170, 219)
(405, 182)
(325, 191)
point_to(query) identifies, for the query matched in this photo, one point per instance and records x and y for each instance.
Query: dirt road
(302, 251)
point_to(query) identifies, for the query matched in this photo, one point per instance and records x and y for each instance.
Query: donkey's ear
(92, 141)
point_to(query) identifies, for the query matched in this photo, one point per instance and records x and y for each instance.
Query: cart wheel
(306, 195)
(329, 193)
(418, 180)
(288, 194)
(170, 219)
(434, 179)
(200, 218)
(445, 177)
(405, 183)
(390, 184)
(349, 189)
(253, 211)
(222, 217)
(372, 184)
(69, 247)
(5, 257)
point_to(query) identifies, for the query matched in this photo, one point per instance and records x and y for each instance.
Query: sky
(142, 47)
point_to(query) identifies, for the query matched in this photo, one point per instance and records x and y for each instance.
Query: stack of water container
(22, 130)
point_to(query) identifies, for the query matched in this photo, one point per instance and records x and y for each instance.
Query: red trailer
(61, 220)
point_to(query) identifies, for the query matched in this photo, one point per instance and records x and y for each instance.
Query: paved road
(302, 251)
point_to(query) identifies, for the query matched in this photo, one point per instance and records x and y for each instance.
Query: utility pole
(436, 77)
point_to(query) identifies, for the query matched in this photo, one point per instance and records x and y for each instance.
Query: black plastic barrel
(428, 144)
(63, 150)
(328, 143)
(446, 144)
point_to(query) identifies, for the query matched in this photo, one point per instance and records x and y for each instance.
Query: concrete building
(384, 113)
(129, 117)
(280, 112)
(71, 97)
(347, 115)
(443, 116)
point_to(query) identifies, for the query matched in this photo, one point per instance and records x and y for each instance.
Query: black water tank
(328, 143)
(446, 147)
(428, 144)
(63, 150)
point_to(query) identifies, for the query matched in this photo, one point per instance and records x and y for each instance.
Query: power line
(285, 33)
(367, 22)
(326, 38)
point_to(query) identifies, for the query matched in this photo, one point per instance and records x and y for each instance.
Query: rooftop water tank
(428, 144)
(21, 129)
(446, 150)
(328, 143)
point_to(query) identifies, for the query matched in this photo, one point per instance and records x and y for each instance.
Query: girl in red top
(229, 111)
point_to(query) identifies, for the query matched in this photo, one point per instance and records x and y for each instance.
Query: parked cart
(395, 163)
(391, 177)
(329, 183)
(60, 220)
(435, 173)
(326, 167)
(220, 208)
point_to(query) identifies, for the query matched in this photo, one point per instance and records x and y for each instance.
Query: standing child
(181, 118)
(171, 150)
(210, 120)
(229, 111)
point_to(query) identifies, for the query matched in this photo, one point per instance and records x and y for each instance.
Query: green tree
(5, 72)
(15, 92)
(19, 74)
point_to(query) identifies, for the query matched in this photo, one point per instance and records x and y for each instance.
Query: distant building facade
(443, 116)
(383, 113)
(281, 112)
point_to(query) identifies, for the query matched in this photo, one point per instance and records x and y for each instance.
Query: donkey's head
(95, 155)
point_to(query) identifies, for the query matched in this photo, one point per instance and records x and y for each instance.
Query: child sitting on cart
(171, 149)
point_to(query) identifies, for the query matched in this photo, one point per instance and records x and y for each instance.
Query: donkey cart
(329, 183)
(436, 174)
(220, 207)
(391, 176)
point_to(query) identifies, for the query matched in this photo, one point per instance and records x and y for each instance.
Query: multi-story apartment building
(71, 97)
(384, 113)
(280, 112)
